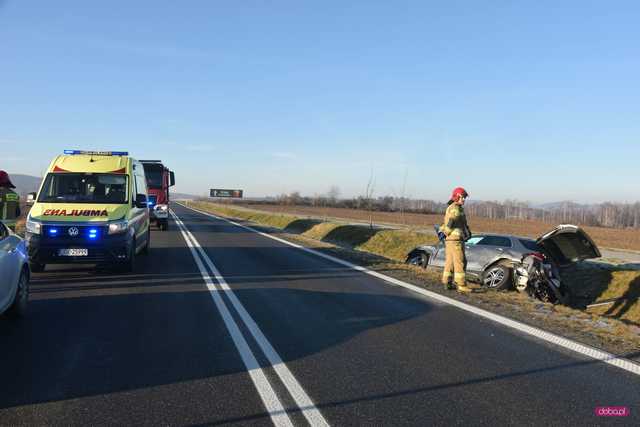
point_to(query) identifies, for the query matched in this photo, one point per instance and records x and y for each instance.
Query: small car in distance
(14, 273)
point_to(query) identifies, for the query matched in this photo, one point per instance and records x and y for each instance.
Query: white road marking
(267, 394)
(304, 402)
(585, 350)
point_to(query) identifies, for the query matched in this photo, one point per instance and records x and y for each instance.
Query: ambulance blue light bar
(97, 153)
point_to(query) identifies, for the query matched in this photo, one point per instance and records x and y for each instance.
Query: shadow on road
(424, 391)
(79, 340)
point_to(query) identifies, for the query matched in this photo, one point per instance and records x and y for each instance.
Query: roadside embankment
(607, 290)
(389, 243)
(616, 290)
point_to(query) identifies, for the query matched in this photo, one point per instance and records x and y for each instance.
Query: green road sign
(216, 192)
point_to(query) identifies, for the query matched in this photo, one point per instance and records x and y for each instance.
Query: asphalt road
(294, 338)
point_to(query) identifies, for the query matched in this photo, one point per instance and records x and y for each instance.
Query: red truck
(159, 179)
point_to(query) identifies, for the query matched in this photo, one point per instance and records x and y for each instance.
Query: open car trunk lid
(567, 243)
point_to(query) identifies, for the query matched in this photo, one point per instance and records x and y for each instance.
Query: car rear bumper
(157, 213)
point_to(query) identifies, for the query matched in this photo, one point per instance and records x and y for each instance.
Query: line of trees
(613, 215)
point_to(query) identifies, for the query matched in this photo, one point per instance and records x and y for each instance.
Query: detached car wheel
(497, 277)
(419, 259)
(21, 300)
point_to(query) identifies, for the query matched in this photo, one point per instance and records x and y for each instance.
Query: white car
(14, 273)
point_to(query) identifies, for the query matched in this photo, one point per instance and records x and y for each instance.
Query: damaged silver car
(501, 262)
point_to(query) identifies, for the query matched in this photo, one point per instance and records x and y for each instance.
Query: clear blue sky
(536, 100)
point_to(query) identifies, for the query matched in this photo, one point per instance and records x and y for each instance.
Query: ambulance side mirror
(172, 179)
(141, 201)
(31, 199)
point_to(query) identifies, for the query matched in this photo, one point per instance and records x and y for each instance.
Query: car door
(9, 266)
(438, 258)
(471, 252)
(487, 251)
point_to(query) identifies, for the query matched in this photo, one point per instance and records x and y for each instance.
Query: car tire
(129, 265)
(20, 302)
(420, 259)
(36, 267)
(497, 277)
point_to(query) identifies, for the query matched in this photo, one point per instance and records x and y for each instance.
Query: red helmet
(457, 192)
(5, 181)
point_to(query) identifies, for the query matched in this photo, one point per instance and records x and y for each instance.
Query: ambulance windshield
(84, 188)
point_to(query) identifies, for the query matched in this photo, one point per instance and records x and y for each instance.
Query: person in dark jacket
(9, 201)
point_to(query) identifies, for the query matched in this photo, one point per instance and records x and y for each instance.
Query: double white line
(268, 395)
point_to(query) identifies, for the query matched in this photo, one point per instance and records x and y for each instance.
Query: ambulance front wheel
(129, 264)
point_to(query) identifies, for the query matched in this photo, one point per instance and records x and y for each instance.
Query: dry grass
(604, 237)
(20, 226)
(20, 223)
(593, 283)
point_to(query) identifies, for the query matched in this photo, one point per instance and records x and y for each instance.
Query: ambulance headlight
(118, 227)
(33, 227)
(162, 208)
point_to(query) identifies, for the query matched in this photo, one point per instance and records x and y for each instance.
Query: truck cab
(159, 179)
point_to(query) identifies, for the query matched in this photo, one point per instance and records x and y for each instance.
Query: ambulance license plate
(73, 252)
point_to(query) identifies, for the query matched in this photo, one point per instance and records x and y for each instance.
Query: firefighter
(456, 232)
(9, 201)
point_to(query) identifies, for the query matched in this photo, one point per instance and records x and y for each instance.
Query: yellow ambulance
(91, 209)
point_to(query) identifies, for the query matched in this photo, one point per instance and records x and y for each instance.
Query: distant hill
(25, 183)
(181, 196)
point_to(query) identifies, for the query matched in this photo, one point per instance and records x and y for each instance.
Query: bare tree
(404, 188)
(333, 194)
(294, 198)
(331, 199)
(368, 195)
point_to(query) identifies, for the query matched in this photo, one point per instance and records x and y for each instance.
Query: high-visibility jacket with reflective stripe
(9, 205)
(455, 223)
